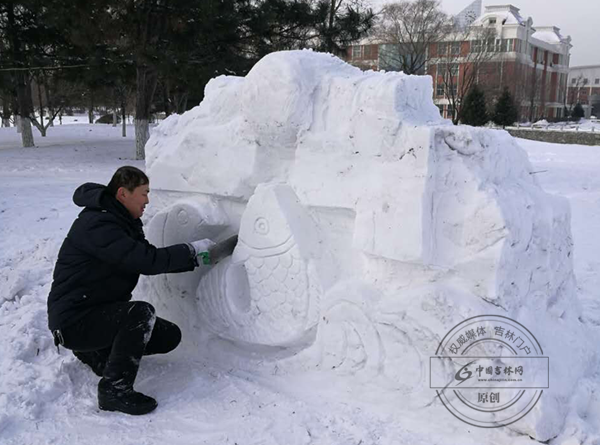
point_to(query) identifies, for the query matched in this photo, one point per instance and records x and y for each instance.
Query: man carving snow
(98, 266)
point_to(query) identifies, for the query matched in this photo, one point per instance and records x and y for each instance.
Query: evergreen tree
(578, 111)
(505, 112)
(33, 44)
(473, 111)
(341, 22)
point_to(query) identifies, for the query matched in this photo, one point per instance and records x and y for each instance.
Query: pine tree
(578, 112)
(473, 112)
(505, 112)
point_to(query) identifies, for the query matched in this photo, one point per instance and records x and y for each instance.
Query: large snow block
(368, 228)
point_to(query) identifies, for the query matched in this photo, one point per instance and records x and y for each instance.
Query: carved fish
(267, 293)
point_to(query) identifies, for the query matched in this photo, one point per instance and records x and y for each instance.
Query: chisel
(219, 251)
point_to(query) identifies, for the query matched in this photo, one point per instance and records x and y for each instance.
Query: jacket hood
(96, 196)
(89, 195)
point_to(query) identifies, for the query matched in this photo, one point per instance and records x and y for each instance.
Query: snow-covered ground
(583, 125)
(49, 398)
(572, 171)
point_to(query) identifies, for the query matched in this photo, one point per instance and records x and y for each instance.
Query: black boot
(115, 397)
(115, 389)
(94, 359)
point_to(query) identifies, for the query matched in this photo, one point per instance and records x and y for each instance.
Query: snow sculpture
(368, 228)
(269, 292)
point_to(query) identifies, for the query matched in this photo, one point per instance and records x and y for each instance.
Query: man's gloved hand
(197, 247)
(202, 245)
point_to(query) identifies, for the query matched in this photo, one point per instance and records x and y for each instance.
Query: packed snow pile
(368, 227)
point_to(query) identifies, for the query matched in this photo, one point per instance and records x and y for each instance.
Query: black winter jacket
(102, 257)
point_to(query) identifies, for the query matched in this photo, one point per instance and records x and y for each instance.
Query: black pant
(125, 331)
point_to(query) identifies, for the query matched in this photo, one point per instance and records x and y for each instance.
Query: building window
(540, 55)
(455, 49)
(518, 46)
(442, 49)
(440, 89)
(442, 69)
(573, 81)
(356, 51)
(597, 82)
(585, 81)
(447, 69)
(492, 21)
(367, 51)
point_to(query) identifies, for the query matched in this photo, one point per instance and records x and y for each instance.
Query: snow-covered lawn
(583, 125)
(50, 398)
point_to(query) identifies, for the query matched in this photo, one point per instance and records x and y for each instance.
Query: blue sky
(577, 18)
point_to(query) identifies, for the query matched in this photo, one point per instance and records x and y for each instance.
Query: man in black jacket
(98, 266)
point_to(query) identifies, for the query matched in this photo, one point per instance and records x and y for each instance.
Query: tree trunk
(329, 37)
(180, 102)
(25, 105)
(42, 128)
(26, 132)
(142, 134)
(21, 78)
(91, 110)
(18, 124)
(146, 86)
(51, 111)
(166, 96)
(533, 92)
(5, 113)
(123, 118)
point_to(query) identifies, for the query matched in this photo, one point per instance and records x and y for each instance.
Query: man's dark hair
(128, 177)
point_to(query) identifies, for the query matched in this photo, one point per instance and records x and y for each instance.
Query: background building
(584, 88)
(497, 49)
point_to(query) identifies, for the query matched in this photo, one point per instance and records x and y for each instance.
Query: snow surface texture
(368, 228)
(50, 398)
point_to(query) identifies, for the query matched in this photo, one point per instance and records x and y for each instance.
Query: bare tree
(577, 85)
(123, 94)
(409, 29)
(461, 60)
(42, 85)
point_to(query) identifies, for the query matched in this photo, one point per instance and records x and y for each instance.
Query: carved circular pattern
(261, 226)
(182, 217)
